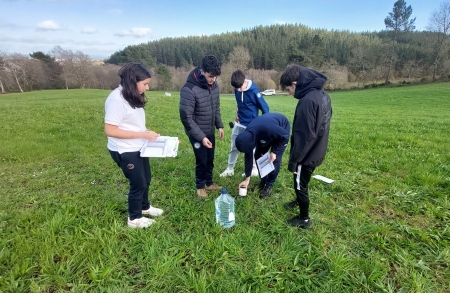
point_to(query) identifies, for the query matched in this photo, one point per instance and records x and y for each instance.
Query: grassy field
(382, 226)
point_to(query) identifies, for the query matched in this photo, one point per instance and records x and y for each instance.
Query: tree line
(349, 59)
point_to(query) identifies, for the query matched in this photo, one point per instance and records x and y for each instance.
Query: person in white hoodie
(249, 101)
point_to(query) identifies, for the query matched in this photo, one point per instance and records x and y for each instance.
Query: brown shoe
(202, 193)
(213, 187)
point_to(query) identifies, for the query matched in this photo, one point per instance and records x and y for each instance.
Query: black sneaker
(261, 186)
(290, 205)
(304, 223)
(266, 191)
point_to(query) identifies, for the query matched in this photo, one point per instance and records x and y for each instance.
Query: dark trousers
(137, 170)
(270, 178)
(301, 181)
(204, 162)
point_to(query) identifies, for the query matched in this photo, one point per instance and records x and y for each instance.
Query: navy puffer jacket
(200, 106)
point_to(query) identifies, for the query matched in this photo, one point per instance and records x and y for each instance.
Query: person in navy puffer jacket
(200, 115)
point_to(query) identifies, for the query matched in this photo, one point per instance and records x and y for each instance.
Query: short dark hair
(290, 74)
(237, 79)
(130, 74)
(211, 65)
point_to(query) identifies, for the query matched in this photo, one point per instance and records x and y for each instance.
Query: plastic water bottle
(225, 209)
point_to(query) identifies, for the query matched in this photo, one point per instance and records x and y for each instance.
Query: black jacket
(199, 106)
(311, 126)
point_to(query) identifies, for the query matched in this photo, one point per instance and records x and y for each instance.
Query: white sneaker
(254, 172)
(140, 223)
(227, 172)
(152, 211)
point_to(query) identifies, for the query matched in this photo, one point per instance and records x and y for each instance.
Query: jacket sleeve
(281, 139)
(187, 110)
(303, 133)
(261, 104)
(218, 119)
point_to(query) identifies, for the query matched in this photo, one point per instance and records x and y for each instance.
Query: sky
(100, 28)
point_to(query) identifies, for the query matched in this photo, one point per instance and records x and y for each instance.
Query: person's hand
(244, 183)
(207, 143)
(272, 157)
(151, 135)
(221, 134)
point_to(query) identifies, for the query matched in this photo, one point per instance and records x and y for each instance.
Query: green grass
(382, 226)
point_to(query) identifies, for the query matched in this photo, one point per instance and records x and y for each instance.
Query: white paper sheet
(324, 179)
(163, 146)
(264, 166)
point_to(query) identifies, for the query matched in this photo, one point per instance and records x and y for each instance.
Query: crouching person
(266, 132)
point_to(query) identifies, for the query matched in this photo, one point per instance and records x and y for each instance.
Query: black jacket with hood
(200, 106)
(311, 126)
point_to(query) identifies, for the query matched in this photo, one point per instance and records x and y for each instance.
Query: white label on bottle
(231, 217)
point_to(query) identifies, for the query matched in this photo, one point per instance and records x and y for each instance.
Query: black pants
(204, 162)
(301, 181)
(137, 170)
(270, 178)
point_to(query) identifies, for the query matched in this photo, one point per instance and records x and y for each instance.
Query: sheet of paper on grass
(324, 179)
(264, 166)
(163, 146)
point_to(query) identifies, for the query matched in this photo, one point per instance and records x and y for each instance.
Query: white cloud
(134, 32)
(88, 30)
(48, 25)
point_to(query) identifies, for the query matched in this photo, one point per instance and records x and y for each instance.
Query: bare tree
(65, 58)
(15, 64)
(35, 76)
(105, 76)
(81, 63)
(2, 69)
(439, 23)
(398, 22)
(360, 62)
(239, 58)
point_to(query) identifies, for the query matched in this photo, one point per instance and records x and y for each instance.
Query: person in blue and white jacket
(249, 101)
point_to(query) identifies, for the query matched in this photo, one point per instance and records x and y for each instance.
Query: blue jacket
(248, 103)
(311, 126)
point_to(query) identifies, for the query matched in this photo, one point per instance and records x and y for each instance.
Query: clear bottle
(225, 209)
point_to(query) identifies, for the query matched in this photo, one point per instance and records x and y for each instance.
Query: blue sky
(100, 28)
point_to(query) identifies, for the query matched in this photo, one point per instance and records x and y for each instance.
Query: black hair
(290, 74)
(130, 74)
(237, 79)
(210, 64)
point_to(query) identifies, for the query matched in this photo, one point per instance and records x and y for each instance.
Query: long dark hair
(130, 74)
